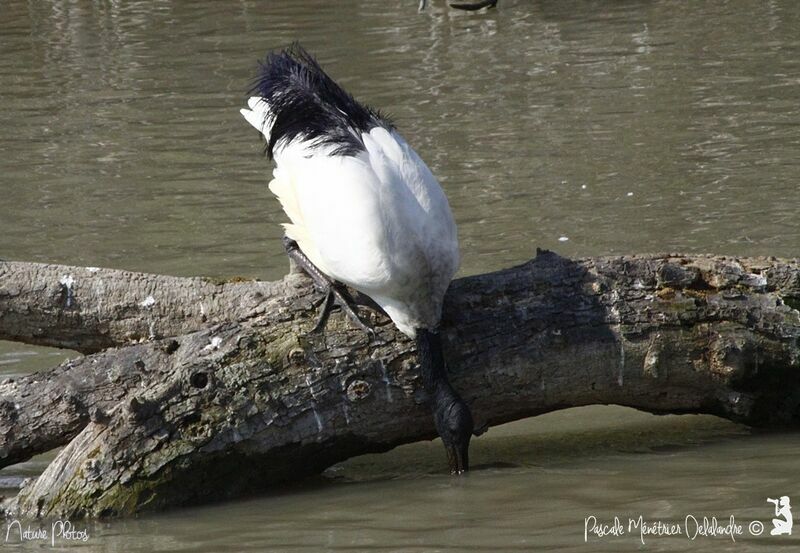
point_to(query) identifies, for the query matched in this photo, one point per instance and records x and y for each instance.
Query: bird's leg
(334, 292)
(324, 311)
(451, 415)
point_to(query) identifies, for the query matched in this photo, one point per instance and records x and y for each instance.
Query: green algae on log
(194, 390)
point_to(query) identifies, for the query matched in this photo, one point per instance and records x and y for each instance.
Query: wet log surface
(193, 389)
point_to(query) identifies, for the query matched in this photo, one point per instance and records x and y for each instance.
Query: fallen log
(191, 385)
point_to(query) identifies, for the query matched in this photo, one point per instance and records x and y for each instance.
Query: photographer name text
(59, 531)
(691, 527)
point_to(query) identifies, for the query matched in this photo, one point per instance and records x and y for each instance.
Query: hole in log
(8, 411)
(170, 347)
(199, 380)
(357, 390)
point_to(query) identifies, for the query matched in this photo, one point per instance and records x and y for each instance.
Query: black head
(454, 423)
(451, 415)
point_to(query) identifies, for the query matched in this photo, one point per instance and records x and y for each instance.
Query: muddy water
(584, 127)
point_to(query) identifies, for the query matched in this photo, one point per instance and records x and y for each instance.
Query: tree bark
(201, 390)
(89, 309)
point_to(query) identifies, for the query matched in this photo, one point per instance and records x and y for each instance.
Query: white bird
(365, 211)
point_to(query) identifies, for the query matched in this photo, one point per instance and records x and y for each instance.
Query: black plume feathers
(306, 104)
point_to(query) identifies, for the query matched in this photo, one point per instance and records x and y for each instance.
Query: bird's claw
(335, 296)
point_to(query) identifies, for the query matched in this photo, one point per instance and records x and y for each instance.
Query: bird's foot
(335, 293)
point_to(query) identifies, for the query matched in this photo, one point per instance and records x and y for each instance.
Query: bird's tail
(258, 115)
(294, 99)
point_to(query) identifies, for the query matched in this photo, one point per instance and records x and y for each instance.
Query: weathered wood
(89, 309)
(239, 406)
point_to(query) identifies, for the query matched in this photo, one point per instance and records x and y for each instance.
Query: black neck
(431, 358)
(451, 415)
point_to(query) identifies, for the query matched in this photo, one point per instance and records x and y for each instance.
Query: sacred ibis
(364, 211)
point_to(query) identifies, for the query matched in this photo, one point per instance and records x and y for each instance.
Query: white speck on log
(317, 418)
(755, 280)
(386, 381)
(215, 343)
(314, 404)
(311, 387)
(67, 281)
(149, 301)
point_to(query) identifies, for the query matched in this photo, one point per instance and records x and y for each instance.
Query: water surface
(585, 127)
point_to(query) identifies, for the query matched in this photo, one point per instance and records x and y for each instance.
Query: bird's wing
(420, 205)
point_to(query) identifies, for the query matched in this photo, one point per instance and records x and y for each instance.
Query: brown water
(620, 126)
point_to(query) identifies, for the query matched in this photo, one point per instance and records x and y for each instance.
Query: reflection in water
(623, 127)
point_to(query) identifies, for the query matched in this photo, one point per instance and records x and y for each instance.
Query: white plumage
(377, 221)
(365, 211)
